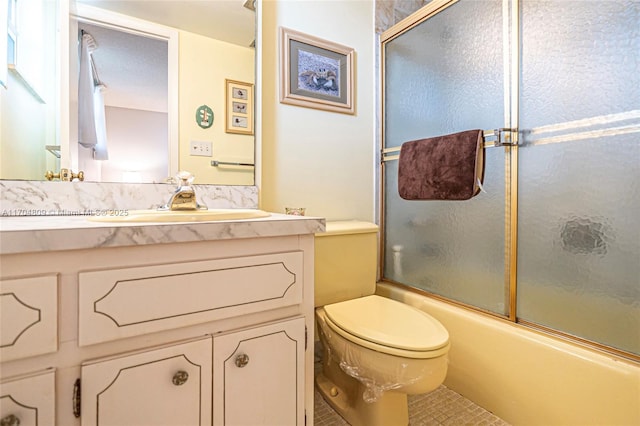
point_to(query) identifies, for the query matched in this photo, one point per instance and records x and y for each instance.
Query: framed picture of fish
(316, 73)
(239, 97)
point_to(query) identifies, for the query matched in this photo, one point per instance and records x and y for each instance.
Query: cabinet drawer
(29, 400)
(28, 316)
(127, 302)
(169, 386)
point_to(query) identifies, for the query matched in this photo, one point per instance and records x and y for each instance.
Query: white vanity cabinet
(202, 332)
(169, 386)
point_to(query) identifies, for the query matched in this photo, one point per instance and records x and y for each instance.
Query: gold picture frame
(239, 106)
(316, 73)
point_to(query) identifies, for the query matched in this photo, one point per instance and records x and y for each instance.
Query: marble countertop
(27, 234)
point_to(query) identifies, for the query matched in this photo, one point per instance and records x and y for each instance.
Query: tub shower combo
(552, 241)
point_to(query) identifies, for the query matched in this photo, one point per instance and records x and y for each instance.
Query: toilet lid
(389, 323)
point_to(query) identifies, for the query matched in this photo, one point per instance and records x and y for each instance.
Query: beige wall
(320, 160)
(204, 65)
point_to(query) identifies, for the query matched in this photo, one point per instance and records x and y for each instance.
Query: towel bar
(54, 149)
(497, 133)
(216, 163)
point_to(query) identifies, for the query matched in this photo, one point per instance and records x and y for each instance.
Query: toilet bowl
(376, 350)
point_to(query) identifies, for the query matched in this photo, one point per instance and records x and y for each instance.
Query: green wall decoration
(204, 116)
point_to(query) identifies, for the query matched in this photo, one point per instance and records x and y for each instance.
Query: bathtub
(529, 378)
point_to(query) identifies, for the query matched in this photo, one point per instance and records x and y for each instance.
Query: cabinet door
(28, 400)
(28, 316)
(167, 386)
(258, 376)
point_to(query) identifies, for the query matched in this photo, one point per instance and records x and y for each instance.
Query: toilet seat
(388, 326)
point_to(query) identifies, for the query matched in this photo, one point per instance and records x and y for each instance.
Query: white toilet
(375, 350)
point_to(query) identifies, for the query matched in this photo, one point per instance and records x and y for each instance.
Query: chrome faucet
(184, 198)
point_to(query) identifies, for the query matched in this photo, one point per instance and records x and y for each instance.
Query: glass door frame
(512, 72)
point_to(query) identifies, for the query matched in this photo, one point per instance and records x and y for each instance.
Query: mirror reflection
(28, 95)
(147, 139)
(123, 99)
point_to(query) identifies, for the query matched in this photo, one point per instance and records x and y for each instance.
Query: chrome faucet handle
(184, 197)
(184, 178)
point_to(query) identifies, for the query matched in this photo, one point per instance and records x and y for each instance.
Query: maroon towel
(442, 168)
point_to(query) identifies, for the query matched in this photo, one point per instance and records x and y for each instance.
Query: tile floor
(440, 407)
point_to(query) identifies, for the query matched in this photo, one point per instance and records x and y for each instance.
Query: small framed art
(316, 73)
(239, 107)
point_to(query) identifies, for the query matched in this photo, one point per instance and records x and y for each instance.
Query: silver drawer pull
(10, 420)
(242, 360)
(180, 378)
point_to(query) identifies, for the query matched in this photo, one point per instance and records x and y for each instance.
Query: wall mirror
(159, 62)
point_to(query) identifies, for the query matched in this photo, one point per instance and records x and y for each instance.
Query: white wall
(136, 141)
(137, 134)
(320, 160)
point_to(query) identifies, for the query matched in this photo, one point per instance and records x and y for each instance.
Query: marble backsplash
(39, 198)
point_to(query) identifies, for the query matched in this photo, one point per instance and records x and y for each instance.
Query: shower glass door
(579, 170)
(444, 76)
(568, 72)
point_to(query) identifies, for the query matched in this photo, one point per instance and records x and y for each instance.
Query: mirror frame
(116, 21)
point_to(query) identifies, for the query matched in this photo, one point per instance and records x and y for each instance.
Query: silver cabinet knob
(180, 378)
(242, 360)
(10, 420)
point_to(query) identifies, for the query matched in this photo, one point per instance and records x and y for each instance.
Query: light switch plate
(201, 148)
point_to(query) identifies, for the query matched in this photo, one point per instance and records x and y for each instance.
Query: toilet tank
(346, 256)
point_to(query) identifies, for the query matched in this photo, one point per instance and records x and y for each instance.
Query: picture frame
(239, 107)
(316, 73)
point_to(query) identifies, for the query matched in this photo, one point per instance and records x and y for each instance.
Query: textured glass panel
(579, 170)
(579, 59)
(445, 76)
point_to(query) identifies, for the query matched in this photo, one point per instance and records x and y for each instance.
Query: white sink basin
(181, 215)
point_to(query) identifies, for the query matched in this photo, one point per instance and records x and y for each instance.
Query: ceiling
(133, 68)
(226, 20)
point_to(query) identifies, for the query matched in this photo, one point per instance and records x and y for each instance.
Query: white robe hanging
(86, 121)
(91, 116)
(100, 148)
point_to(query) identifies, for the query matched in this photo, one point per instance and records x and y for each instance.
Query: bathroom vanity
(157, 323)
